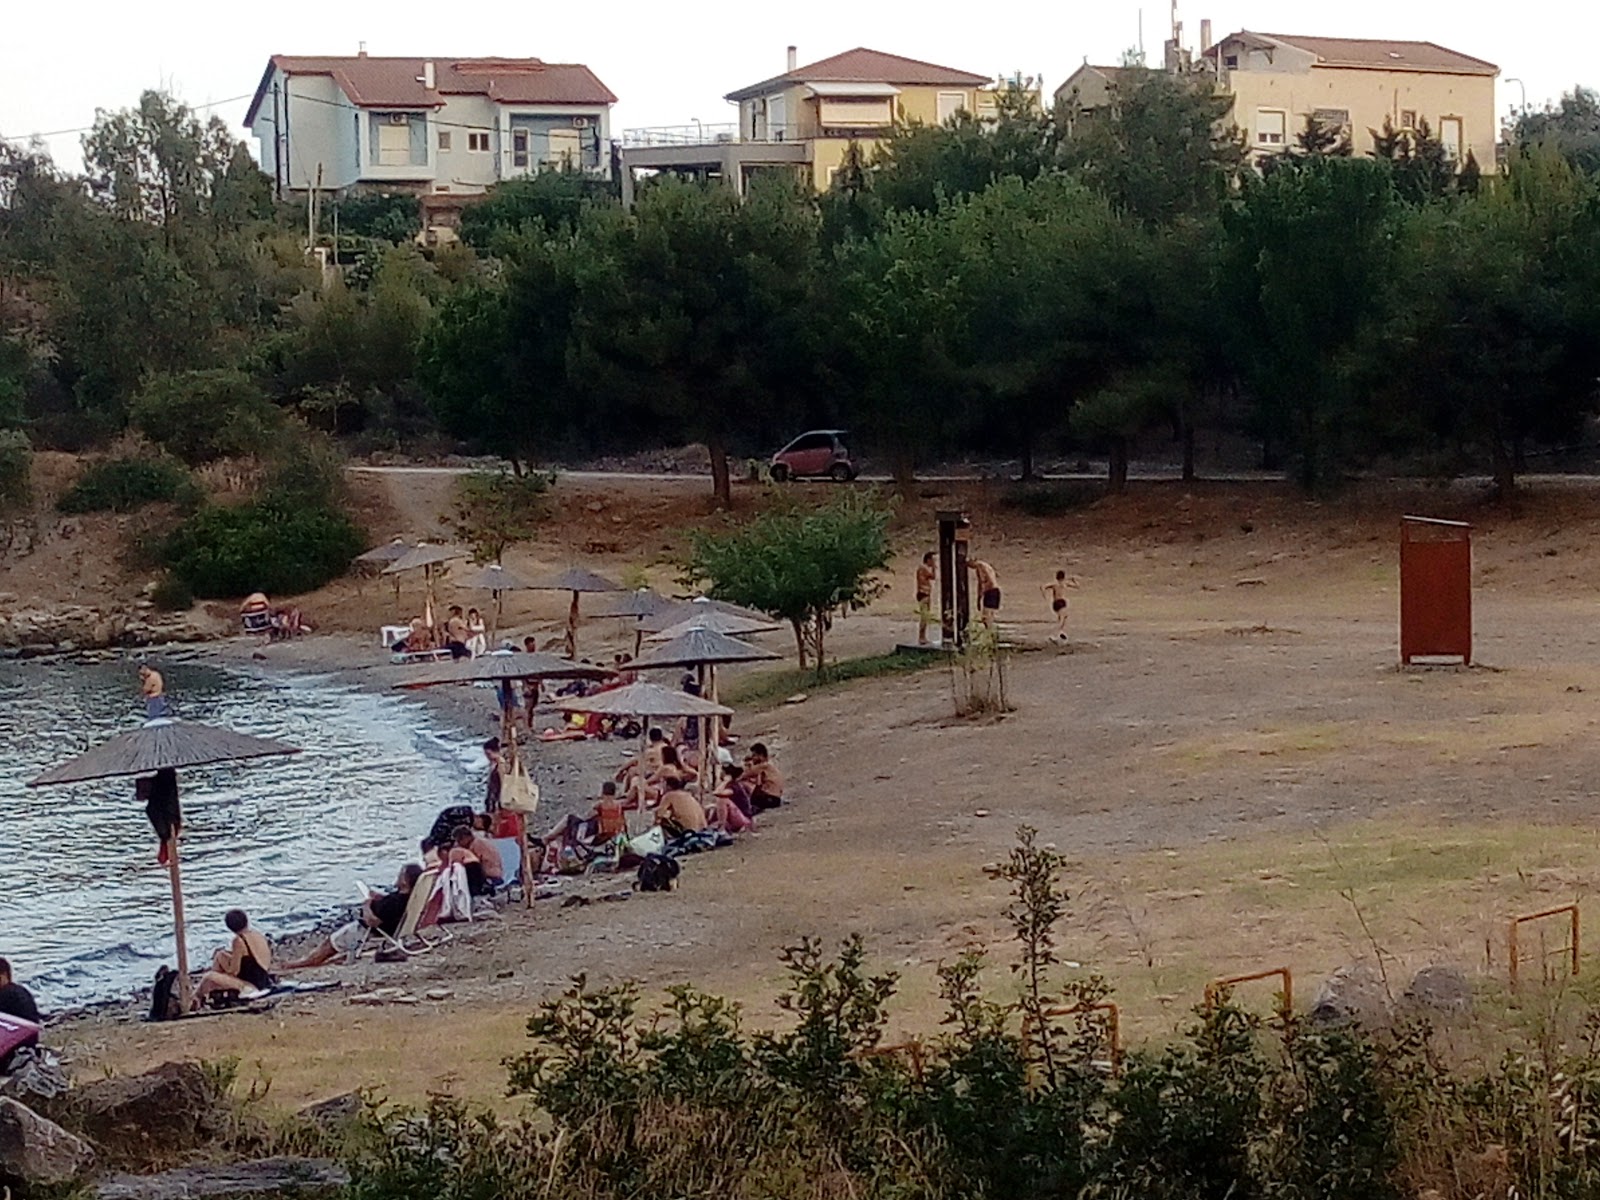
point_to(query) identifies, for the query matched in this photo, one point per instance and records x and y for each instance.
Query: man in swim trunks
(1056, 593)
(763, 778)
(154, 689)
(927, 573)
(988, 590)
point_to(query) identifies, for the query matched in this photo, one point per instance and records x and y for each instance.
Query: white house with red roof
(435, 126)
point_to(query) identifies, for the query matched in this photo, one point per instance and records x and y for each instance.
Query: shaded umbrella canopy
(502, 666)
(697, 647)
(385, 554)
(644, 700)
(424, 555)
(159, 744)
(577, 579)
(641, 603)
(495, 578)
(714, 622)
(696, 612)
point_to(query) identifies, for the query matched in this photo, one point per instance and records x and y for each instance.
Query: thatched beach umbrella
(696, 611)
(647, 700)
(642, 602)
(497, 580)
(382, 556)
(577, 581)
(703, 649)
(165, 745)
(727, 624)
(428, 558)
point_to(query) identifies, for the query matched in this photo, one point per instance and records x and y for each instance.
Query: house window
(1335, 120)
(397, 139)
(1271, 124)
(564, 150)
(950, 103)
(444, 139)
(1450, 137)
(1408, 118)
(519, 148)
(478, 142)
(1231, 62)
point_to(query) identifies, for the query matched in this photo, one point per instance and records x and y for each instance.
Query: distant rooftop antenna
(1141, 39)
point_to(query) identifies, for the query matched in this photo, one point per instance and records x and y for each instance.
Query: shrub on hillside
(268, 545)
(126, 484)
(16, 470)
(204, 415)
(1052, 499)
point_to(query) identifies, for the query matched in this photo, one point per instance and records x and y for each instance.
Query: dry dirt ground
(1226, 753)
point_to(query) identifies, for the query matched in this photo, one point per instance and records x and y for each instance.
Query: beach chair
(417, 906)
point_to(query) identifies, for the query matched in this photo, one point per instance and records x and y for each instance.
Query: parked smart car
(820, 454)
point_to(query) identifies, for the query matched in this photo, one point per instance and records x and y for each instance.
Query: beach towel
(456, 897)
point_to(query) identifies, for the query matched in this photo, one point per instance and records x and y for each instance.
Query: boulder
(1354, 993)
(36, 1151)
(167, 1110)
(298, 1177)
(334, 1112)
(1440, 989)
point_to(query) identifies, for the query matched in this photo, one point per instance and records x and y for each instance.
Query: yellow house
(804, 119)
(1278, 80)
(1352, 84)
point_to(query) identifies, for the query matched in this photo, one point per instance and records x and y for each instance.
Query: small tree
(16, 489)
(204, 415)
(799, 565)
(494, 511)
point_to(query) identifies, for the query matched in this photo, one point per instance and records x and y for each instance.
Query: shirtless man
(637, 772)
(927, 573)
(988, 590)
(456, 634)
(680, 813)
(154, 689)
(1056, 593)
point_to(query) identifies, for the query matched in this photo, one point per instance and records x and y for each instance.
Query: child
(1056, 593)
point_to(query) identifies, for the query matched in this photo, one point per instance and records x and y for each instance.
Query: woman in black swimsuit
(244, 966)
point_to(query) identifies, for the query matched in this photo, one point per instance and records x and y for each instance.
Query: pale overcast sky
(671, 63)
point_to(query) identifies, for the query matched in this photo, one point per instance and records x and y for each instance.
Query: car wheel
(841, 473)
(779, 472)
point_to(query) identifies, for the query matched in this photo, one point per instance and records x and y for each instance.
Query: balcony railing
(700, 133)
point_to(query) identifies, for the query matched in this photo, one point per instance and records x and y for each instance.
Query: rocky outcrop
(149, 1117)
(298, 1177)
(1440, 990)
(1355, 993)
(36, 1151)
(34, 630)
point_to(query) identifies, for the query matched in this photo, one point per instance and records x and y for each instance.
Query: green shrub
(205, 415)
(268, 545)
(126, 484)
(1052, 499)
(172, 595)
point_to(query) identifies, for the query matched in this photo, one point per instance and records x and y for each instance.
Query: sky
(671, 63)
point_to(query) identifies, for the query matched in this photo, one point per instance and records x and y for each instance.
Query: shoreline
(343, 662)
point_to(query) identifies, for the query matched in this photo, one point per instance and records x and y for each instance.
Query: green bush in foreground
(126, 484)
(1015, 1100)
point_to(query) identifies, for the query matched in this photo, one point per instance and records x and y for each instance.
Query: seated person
(485, 869)
(16, 1000)
(679, 813)
(764, 778)
(419, 638)
(244, 966)
(734, 812)
(381, 911)
(444, 825)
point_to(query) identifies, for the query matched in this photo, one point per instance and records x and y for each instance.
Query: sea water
(86, 911)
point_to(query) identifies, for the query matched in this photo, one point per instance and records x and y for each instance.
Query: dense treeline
(1045, 283)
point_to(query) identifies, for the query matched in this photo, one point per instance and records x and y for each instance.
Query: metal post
(949, 577)
(963, 594)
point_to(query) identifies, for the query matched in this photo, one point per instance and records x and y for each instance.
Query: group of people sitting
(463, 634)
(662, 781)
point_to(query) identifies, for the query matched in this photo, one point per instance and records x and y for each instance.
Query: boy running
(1056, 593)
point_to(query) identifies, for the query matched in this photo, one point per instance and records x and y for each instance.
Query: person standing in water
(154, 689)
(1056, 593)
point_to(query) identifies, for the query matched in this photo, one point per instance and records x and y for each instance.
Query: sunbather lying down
(382, 911)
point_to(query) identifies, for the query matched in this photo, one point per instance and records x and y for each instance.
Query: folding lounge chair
(423, 898)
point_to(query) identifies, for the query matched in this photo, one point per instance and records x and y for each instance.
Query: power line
(90, 128)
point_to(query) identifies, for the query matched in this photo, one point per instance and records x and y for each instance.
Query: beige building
(1278, 80)
(803, 120)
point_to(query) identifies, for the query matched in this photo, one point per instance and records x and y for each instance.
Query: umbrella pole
(185, 986)
(572, 628)
(499, 613)
(705, 740)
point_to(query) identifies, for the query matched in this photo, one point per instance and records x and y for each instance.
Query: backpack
(658, 873)
(165, 1003)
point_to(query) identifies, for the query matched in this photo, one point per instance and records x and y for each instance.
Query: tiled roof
(372, 82)
(1378, 54)
(866, 66)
